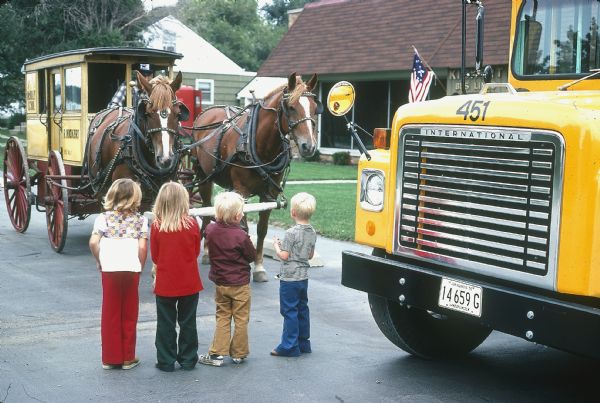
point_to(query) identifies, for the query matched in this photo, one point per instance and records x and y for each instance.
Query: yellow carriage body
(64, 91)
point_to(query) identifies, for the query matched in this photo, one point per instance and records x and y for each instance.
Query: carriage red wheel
(17, 186)
(57, 202)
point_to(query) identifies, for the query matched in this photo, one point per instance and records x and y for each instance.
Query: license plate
(459, 296)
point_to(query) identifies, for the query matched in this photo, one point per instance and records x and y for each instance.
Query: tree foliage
(276, 12)
(33, 28)
(232, 26)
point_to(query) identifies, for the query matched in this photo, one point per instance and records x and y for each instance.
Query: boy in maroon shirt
(231, 253)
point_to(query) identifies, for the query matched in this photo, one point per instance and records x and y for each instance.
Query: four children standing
(119, 244)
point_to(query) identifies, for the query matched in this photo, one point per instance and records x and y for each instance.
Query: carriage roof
(112, 53)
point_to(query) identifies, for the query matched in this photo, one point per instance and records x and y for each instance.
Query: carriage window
(105, 79)
(56, 80)
(73, 89)
(207, 87)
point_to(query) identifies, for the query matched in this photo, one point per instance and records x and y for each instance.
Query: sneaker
(211, 359)
(131, 364)
(110, 366)
(238, 360)
(165, 368)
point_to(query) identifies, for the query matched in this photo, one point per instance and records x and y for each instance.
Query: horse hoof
(260, 277)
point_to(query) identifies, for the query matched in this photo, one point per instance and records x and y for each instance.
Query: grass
(319, 171)
(335, 214)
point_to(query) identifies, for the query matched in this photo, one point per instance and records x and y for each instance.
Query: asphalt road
(50, 343)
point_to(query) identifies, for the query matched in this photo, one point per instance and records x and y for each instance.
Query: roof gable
(347, 36)
(199, 56)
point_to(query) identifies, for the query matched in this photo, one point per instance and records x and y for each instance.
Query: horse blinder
(184, 112)
(320, 107)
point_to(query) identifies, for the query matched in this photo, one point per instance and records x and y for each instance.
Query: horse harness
(129, 151)
(246, 151)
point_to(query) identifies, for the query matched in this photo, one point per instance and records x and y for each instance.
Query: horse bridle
(284, 109)
(182, 116)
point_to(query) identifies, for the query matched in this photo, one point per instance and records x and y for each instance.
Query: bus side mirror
(340, 98)
(479, 38)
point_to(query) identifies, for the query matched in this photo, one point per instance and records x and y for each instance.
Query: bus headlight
(372, 187)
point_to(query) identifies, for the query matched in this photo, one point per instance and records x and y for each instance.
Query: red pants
(120, 306)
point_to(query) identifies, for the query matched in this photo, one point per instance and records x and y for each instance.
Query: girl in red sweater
(175, 247)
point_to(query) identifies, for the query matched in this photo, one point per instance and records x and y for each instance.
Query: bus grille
(480, 199)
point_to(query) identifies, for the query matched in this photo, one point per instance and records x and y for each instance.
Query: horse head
(159, 113)
(300, 107)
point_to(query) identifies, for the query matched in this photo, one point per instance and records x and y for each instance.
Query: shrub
(316, 157)
(341, 158)
(13, 120)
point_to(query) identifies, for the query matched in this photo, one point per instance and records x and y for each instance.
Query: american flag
(420, 80)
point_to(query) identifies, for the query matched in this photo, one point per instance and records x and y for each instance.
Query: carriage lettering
(71, 133)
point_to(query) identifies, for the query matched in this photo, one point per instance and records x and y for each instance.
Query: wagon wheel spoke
(16, 185)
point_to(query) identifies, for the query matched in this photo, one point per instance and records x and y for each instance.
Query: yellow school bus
(483, 210)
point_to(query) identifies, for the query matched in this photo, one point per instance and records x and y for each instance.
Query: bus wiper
(567, 85)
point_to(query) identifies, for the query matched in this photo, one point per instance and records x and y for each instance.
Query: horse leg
(260, 274)
(205, 191)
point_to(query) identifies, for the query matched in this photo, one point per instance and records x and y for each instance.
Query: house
(370, 43)
(203, 66)
(258, 88)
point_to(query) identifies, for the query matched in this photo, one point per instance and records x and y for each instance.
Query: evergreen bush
(341, 158)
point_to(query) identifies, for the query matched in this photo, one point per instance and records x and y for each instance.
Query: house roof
(349, 36)
(199, 56)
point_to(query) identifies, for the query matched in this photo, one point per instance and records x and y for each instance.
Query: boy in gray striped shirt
(297, 247)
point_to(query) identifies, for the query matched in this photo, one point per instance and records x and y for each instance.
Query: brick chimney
(293, 16)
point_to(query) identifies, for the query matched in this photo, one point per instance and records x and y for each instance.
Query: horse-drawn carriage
(77, 146)
(66, 98)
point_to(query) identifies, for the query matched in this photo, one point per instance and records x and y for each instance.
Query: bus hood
(544, 110)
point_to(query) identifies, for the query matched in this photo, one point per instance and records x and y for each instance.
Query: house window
(169, 41)
(208, 89)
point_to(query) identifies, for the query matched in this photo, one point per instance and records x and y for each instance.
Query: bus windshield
(556, 37)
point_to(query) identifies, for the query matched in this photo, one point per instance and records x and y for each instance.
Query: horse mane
(294, 95)
(162, 93)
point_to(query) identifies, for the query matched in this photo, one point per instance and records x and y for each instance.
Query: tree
(232, 26)
(276, 12)
(33, 28)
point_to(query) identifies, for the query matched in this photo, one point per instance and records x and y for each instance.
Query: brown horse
(248, 150)
(137, 143)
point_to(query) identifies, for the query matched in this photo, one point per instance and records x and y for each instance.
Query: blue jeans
(293, 306)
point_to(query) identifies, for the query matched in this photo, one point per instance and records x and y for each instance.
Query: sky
(149, 4)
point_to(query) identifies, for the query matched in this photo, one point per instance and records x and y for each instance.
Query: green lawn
(301, 170)
(334, 217)
(335, 214)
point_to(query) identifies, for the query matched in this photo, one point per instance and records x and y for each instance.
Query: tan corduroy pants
(232, 302)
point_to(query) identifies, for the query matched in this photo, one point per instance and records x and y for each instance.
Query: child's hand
(98, 266)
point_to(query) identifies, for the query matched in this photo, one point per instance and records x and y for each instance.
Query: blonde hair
(171, 208)
(304, 205)
(123, 195)
(228, 205)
